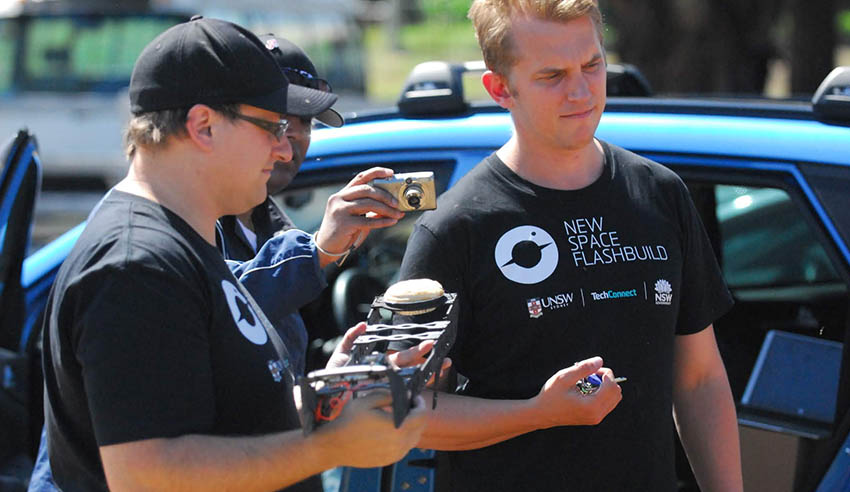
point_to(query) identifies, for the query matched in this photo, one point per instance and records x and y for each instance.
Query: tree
(724, 46)
(812, 44)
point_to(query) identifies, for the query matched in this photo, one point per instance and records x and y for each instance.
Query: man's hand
(410, 357)
(342, 352)
(352, 212)
(366, 435)
(560, 403)
(416, 355)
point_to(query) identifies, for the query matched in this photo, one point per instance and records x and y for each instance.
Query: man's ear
(497, 86)
(199, 123)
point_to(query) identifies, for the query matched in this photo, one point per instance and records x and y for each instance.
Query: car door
(783, 252)
(19, 186)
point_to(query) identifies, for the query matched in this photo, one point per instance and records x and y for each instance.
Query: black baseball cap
(211, 61)
(301, 72)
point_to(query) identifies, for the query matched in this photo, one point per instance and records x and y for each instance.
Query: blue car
(770, 179)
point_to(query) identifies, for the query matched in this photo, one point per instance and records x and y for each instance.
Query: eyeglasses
(277, 129)
(306, 79)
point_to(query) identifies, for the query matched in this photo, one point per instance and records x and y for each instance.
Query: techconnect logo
(663, 293)
(613, 294)
(526, 255)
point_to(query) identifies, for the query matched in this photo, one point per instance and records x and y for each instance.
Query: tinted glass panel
(765, 240)
(7, 54)
(86, 53)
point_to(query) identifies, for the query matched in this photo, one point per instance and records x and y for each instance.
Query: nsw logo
(526, 254)
(663, 293)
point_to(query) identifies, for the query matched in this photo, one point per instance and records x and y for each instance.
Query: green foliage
(843, 21)
(387, 68)
(453, 41)
(446, 10)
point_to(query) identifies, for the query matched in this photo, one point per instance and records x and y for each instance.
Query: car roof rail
(436, 87)
(831, 102)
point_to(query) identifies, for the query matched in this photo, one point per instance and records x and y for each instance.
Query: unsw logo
(535, 308)
(663, 293)
(536, 305)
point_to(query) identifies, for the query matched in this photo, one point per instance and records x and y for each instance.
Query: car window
(330, 35)
(765, 240)
(78, 53)
(7, 54)
(306, 206)
(381, 253)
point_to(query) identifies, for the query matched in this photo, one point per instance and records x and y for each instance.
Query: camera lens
(413, 196)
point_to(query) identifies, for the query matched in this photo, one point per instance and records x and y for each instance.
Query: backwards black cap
(298, 67)
(210, 61)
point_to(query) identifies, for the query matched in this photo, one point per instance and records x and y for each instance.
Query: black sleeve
(142, 342)
(425, 258)
(428, 256)
(705, 296)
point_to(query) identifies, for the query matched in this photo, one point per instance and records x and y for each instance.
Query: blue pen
(590, 384)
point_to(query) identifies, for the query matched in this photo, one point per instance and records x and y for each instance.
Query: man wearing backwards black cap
(159, 373)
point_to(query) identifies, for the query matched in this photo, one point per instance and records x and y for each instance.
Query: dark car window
(766, 242)
(7, 54)
(306, 206)
(381, 253)
(74, 53)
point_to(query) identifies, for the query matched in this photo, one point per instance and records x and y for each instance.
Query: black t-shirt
(148, 336)
(547, 278)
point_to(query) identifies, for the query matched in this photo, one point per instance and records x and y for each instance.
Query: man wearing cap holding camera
(160, 371)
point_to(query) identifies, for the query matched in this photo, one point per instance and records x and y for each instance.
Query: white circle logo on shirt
(245, 317)
(526, 254)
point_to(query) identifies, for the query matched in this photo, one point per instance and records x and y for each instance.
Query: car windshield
(74, 53)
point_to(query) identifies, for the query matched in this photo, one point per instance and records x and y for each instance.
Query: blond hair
(492, 22)
(153, 129)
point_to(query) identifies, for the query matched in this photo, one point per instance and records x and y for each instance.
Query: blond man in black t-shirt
(562, 247)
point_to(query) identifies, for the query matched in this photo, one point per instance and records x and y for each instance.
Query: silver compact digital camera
(414, 191)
